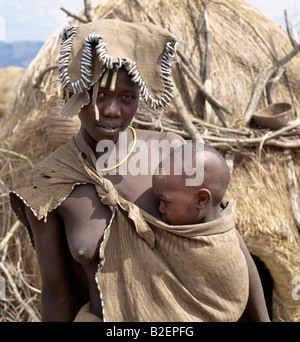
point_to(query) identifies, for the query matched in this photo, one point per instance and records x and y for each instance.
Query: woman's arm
(57, 302)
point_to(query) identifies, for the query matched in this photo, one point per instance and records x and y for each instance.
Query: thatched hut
(231, 63)
(10, 78)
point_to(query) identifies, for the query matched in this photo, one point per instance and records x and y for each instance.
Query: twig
(132, 18)
(151, 19)
(198, 29)
(224, 141)
(279, 132)
(24, 281)
(74, 16)
(187, 95)
(39, 79)
(182, 112)
(263, 78)
(88, 11)
(9, 234)
(289, 29)
(269, 137)
(292, 186)
(200, 86)
(286, 137)
(17, 155)
(270, 86)
(207, 125)
(293, 41)
(27, 308)
(206, 73)
(152, 125)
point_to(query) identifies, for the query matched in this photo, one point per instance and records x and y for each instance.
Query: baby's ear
(203, 197)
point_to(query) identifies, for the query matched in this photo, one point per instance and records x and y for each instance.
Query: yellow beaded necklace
(128, 154)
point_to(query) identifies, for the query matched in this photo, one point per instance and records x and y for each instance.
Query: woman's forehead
(122, 81)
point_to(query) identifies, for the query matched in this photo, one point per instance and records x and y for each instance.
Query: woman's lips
(109, 129)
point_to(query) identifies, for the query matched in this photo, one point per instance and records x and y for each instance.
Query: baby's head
(181, 204)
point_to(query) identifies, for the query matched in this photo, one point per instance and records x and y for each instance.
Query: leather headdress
(90, 50)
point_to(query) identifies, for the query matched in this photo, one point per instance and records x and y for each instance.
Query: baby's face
(177, 201)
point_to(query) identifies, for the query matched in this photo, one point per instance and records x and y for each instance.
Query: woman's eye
(127, 97)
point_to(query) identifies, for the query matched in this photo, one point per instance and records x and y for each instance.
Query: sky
(275, 9)
(37, 20)
(34, 20)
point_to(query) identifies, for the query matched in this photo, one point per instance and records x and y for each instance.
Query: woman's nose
(112, 109)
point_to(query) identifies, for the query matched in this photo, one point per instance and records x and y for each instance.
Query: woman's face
(116, 110)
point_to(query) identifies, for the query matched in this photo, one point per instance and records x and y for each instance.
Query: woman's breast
(85, 219)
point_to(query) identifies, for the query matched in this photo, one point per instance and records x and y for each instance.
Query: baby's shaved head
(216, 171)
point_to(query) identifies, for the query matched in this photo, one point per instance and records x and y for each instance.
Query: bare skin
(67, 244)
(180, 204)
(74, 231)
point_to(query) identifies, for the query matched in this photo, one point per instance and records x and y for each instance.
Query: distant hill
(18, 54)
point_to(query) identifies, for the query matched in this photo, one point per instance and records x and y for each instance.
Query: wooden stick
(198, 29)
(152, 125)
(24, 281)
(287, 128)
(233, 137)
(74, 16)
(9, 234)
(41, 75)
(177, 99)
(292, 186)
(182, 112)
(270, 86)
(151, 19)
(132, 18)
(88, 11)
(293, 41)
(27, 308)
(263, 79)
(292, 95)
(289, 29)
(200, 86)
(223, 142)
(206, 74)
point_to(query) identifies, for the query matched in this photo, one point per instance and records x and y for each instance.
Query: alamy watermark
(2, 28)
(296, 289)
(145, 159)
(2, 288)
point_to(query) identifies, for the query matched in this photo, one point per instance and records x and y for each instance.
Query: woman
(86, 216)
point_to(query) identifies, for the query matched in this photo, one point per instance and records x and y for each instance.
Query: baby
(180, 204)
